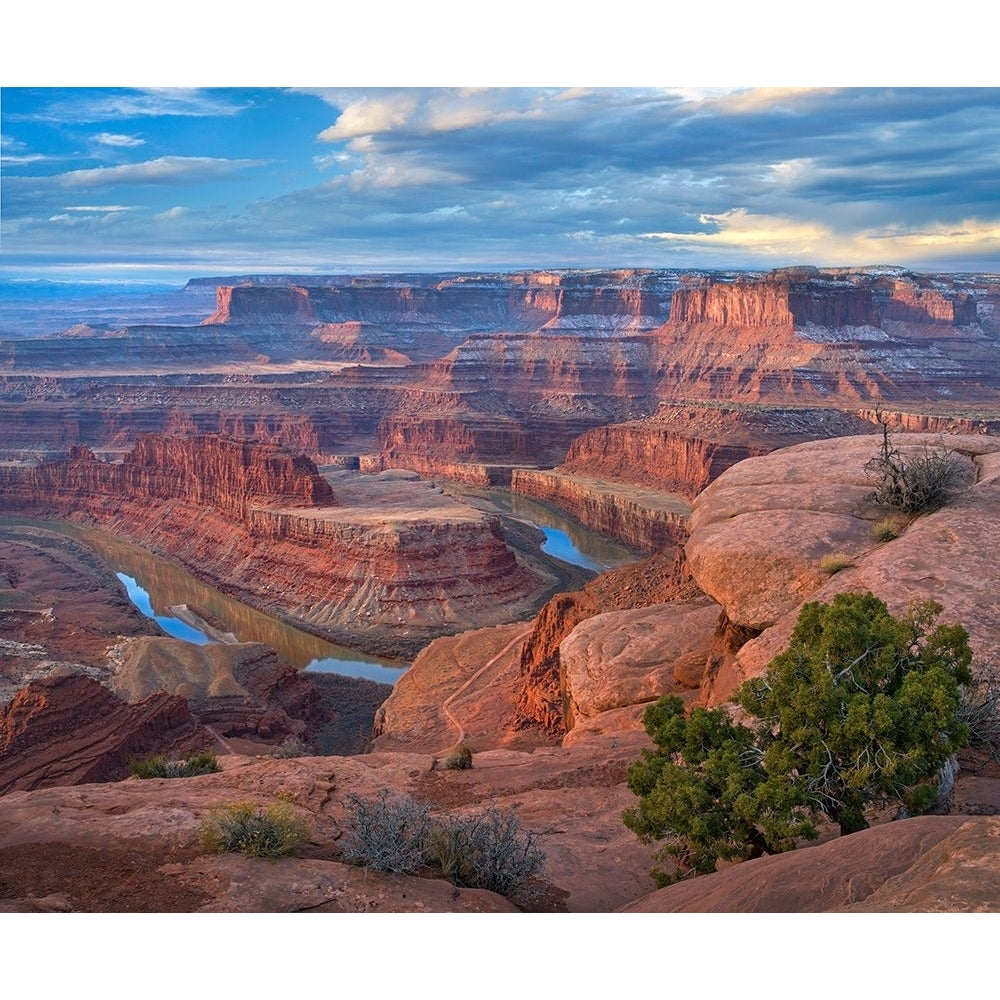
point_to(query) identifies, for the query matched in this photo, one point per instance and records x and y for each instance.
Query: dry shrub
(270, 831)
(834, 562)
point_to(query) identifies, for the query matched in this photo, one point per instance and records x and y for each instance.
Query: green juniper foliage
(862, 706)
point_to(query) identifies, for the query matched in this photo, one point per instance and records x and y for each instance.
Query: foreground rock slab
(941, 864)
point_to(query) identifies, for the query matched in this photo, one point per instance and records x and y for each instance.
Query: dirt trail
(446, 711)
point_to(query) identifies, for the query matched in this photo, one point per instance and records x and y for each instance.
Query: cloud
(117, 140)
(172, 213)
(99, 208)
(741, 230)
(771, 236)
(369, 116)
(24, 158)
(163, 170)
(83, 106)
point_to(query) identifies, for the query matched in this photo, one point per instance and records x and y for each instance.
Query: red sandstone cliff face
(814, 335)
(221, 512)
(683, 448)
(645, 520)
(69, 730)
(652, 456)
(910, 303)
(227, 475)
(542, 699)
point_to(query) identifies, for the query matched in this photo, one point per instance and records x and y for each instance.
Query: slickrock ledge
(760, 530)
(929, 864)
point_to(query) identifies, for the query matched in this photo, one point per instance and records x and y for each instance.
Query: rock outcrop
(681, 449)
(543, 698)
(240, 690)
(253, 519)
(759, 532)
(812, 335)
(929, 864)
(646, 520)
(69, 729)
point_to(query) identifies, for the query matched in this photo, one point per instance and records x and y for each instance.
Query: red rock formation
(909, 303)
(645, 520)
(683, 448)
(262, 304)
(244, 517)
(542, 699)
(230, 476)
(68, 730)
(925, 864)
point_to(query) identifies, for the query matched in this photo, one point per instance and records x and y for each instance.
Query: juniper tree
(861, 706)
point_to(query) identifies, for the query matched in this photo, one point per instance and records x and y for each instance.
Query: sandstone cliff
(647, 520)
(815, 335)
(542, 699)
(247, 518)
(66, 730)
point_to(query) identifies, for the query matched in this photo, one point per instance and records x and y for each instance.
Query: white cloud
(370, 116)
(764, 234)
(118, 140)
(164, 169)
(381, 172)
(98, 208)
(24, 158)
(151, 102)
(775, 236)
(172, 213)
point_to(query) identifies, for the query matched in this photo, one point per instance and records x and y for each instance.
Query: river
(186, 608)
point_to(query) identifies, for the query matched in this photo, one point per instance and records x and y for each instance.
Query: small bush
(157, 766)
(485, 850)
(979, 709)
(460, 759)
(389, 832)
(260, 831)
(291, 746)
(887, 529)
(917, 483)
(834, 562)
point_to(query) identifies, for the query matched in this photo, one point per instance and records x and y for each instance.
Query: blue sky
(163, 183)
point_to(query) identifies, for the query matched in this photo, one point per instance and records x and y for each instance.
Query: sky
(170, 182)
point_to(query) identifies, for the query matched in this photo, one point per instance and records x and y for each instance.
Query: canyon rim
(506, 412)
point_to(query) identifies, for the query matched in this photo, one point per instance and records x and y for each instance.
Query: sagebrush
(158, 766)
(460, 759)
(269, 831)
(388, 832)
(484, 850)
(916, 483)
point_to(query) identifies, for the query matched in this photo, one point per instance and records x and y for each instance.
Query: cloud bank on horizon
(175, 182)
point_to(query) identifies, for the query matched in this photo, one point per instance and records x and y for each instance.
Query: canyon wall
(253, 520)
(645, 520)
(230, 476)
(681, 449)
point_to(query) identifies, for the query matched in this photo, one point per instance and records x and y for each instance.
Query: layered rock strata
(835, 334)
(246, 518)
(69, 729)
(644, 519)
(681, 449)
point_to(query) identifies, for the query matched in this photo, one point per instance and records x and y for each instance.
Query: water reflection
(161, 585)
(172, 626)
(565, 538)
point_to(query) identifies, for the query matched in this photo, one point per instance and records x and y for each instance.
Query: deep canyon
(344, 456)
